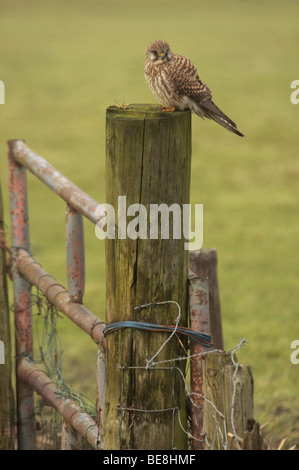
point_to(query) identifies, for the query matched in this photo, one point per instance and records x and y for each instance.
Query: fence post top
(141, 110)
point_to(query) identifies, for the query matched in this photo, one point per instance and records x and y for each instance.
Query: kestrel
(174, 81)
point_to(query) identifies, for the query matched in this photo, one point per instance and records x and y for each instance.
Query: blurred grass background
(64, 62)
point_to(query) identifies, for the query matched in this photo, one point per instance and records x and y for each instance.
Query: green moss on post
(148, 161)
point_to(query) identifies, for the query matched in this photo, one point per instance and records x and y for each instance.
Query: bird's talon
(165, 109)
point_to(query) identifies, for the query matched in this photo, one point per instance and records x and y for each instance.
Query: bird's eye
(154, 52)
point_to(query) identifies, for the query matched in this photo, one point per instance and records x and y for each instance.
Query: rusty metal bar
(204, 264)
(42, 384)
(22, 299)
(198, 291)
(75, 254)
(101, 391)
(57, 295)
(62, 186)
(70, 439)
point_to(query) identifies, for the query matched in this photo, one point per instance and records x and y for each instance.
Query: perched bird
(174, 81)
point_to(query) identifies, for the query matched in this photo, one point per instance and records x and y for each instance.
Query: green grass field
(64, 62)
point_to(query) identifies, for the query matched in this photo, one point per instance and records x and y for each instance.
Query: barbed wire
(48, 353)
(220, 420)
(51, 358)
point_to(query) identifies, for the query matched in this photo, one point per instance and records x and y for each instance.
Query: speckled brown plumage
(174, 81)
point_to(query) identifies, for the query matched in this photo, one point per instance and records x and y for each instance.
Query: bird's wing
(186, 79)
(187, 82)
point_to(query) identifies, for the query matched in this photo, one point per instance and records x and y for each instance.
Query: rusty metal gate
(27, 272)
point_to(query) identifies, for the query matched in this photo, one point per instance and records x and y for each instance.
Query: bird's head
(158, 52)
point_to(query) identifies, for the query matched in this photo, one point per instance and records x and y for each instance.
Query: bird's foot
(165, 109)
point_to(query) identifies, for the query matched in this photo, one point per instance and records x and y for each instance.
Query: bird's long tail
(209, 110)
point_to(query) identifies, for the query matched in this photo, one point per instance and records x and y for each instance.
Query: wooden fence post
(239, 407)
(204, 263)
(215, 423)
(228, 406)
(6, 392)
(148, 162)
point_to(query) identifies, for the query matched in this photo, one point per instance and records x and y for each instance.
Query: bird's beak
(161, 55)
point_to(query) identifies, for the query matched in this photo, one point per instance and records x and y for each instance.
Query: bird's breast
(158, 80)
